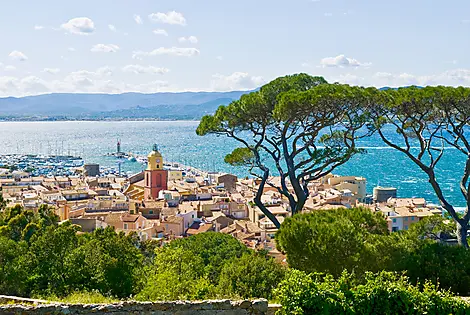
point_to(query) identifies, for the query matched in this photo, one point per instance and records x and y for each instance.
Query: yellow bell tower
(156, 178)
(155, 160)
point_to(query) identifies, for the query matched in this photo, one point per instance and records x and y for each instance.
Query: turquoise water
(178, 142)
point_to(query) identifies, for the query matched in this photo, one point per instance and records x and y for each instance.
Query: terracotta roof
(199, 227)
(140, 183)
(173, 219)
(129, 217)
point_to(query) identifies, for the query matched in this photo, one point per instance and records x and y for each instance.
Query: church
(147, 185)
(155, 177)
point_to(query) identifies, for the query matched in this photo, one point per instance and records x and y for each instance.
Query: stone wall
(219, 307)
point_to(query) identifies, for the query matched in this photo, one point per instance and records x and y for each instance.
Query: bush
(210, 265)
(383, 293)
(176, 274)
(331, 241)
(250, 276)
(215, 249)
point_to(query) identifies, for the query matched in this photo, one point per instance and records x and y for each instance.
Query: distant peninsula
(115, 107)
(126, 106)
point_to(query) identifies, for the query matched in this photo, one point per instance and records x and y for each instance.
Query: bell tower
(156, 178)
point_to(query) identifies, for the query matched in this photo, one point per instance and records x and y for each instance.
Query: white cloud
(455, 77)
(38, 27)
(138, 69)
(342, 61)
(71, 49)
(18, 55)
(8, 86)
(328, 14)
(350, 79)
(82, 81)
(33, 84)
(173, 51)
(51, 70)
(6, 67)
(235, 81)
(172, 17)
(138, 19)
(104, 71)
(112, 27)
(80, 25)
(191, 39)
(107, 48)
(160, 32)
(219, 58)
(384, 75)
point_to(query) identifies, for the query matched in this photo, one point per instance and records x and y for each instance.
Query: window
(125, 226)
(193, 216)
(150, 211)
(406, 219)
(406, 227)
(412, 218)
(394, 220)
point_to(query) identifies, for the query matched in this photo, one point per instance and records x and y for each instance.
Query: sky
(116, 46)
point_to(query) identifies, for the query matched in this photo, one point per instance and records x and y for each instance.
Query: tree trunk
(300, 203)
(462, 228)
(260, 204)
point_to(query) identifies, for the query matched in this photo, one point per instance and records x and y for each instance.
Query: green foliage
(356, 240)
(240, 157)
(13, 267)
(215, 249)
(333, 240)
(433, 228)
(438, 263)
(108, 262)
(177, 274)
(19, 224)
(383, 293)
(210, 265)
(3, 203)
(250, 276)
(48, 253)
(41, 257)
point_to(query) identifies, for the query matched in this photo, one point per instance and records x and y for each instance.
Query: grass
(83, 298)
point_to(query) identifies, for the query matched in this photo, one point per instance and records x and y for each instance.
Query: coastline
(96, 120)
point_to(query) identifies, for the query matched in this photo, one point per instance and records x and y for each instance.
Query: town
(168, 201)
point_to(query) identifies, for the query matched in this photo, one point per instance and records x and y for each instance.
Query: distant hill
(160, 112)
(91, 105)
(161, 106)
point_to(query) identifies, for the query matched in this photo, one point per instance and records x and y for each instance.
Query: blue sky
(115, 46)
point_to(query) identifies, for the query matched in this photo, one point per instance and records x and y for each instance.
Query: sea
(178, 142)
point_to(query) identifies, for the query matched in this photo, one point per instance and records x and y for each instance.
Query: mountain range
(183, 105)
(158, 106)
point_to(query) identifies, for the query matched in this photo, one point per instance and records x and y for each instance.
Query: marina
(41, 165)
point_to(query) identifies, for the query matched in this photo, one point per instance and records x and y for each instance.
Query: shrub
(382, 293)
(250, 276)
(331, 241)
